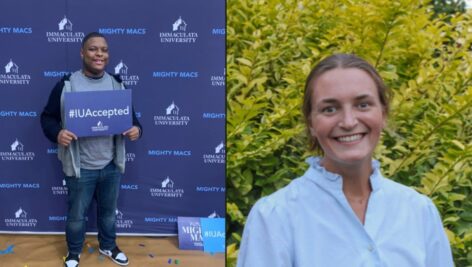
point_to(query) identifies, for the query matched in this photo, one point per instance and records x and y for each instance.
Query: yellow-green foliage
(272, 45)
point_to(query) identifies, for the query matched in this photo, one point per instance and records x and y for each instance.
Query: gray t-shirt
(96, 151)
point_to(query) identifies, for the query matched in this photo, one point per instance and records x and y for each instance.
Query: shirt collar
(333, 181)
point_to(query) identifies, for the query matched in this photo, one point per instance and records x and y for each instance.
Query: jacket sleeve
(51, 114)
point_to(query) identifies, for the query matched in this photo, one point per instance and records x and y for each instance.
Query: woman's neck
(355, 176)
(356, 184)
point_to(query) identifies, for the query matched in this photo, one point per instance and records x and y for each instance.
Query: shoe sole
(78, 261)
(65, 264)
(111, 258)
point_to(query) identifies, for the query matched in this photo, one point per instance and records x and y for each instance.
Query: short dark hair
(92, 35)
(343, 61)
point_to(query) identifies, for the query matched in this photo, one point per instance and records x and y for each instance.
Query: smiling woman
(342, 211)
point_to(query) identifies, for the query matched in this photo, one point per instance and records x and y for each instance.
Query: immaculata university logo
(121, 221)
(214, 215)
(60, 190)
(179, 33)
(171, 117)
(218, 80)
(130, 157)
(65, 33)
(128, 79)
(13, 76)
(20, 218)
(16, 152)
(100, 127)
(218, 155)
(167, 189)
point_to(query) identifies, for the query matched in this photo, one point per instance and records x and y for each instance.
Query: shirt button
(370, 248)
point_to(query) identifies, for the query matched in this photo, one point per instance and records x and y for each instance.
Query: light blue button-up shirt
(309, 223)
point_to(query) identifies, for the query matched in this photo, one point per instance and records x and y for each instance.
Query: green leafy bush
(426, 61)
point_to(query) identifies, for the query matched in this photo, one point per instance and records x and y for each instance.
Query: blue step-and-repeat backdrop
(171, 53)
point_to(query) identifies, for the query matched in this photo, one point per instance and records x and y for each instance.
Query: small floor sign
(207, 234)
(213, 234)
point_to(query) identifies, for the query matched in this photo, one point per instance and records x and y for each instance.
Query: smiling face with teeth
(94, 55)
(346, 117)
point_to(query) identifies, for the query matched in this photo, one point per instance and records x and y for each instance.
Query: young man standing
(92, 165)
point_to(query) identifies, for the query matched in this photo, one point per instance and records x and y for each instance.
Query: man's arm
(51, 115)
(136, 123)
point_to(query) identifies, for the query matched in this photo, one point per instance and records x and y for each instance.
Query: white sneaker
(116, 256)
(72, 260)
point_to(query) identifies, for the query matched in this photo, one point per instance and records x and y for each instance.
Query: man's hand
(132, 133)
(65, 137)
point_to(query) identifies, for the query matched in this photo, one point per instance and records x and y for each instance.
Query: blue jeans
(104, 184)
